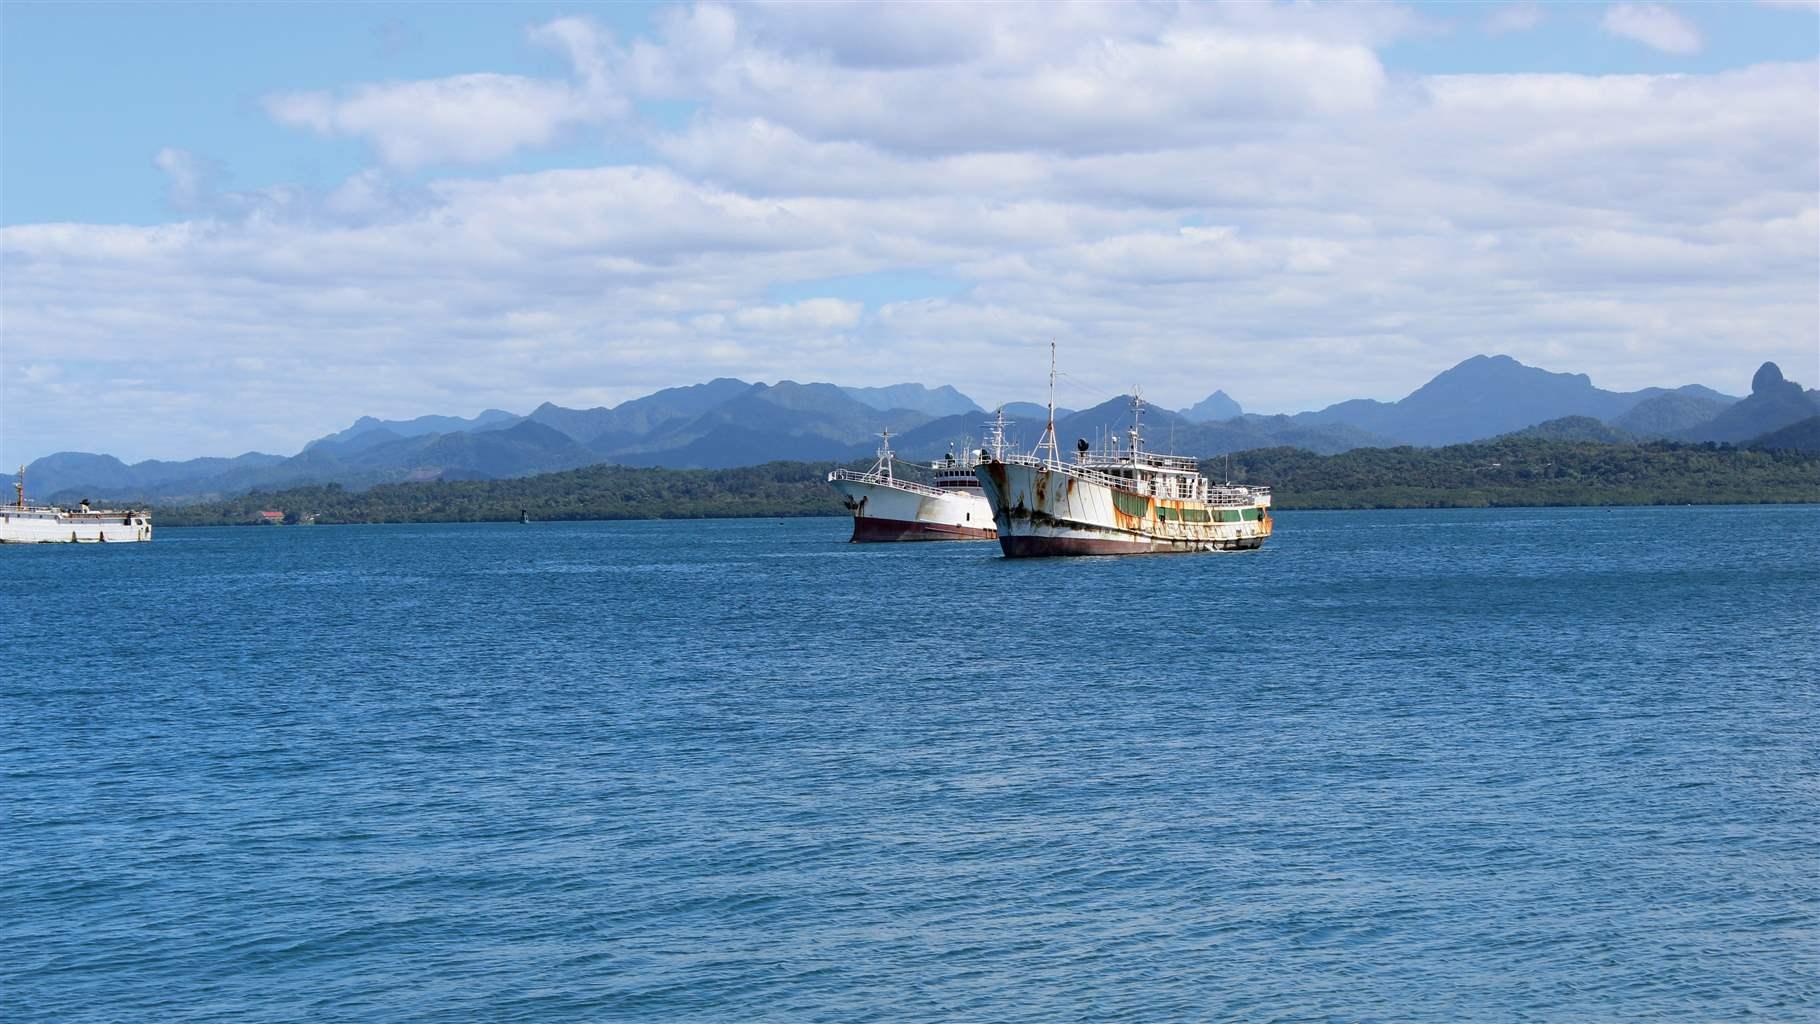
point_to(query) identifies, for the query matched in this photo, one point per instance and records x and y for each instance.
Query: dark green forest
(1510, 472)
(597, 492)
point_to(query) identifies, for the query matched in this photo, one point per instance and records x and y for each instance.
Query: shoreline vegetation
(1503, 473)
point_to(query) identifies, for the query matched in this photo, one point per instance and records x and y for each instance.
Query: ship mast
(1137, 416)
(1048, 441)
(995, 436)
(885, 455)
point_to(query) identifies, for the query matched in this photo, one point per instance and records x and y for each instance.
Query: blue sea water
(1507, 765)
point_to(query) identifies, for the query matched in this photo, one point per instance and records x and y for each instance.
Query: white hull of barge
(892, 512)
(1047, 510)
(46, 526)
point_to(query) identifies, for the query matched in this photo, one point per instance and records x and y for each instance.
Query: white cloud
(1098, 93)
(371, 196)
(807, 315)
(872, 35)
(1177, 195)
(472, 118)
(191, 179)
(587, 48)
(1654, 26)
(464, 119)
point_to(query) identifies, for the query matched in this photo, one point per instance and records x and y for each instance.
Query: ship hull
(1042, 513)
(1052, 544)
(883, 513)
(34, 527)
(869, 530)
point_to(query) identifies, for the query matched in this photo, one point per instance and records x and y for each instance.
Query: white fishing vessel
(1116, 500)
(21, 523)
(887, 507)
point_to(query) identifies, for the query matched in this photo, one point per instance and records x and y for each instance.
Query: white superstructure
(21, 523)
(888, 508)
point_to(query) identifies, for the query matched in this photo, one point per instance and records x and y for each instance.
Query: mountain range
(727, 422)
(1486, 396)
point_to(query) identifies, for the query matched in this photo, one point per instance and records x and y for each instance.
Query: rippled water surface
(1398, 766)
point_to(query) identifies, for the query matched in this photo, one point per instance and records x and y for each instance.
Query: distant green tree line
(597, 492)
(1528, 472)
(1496, 473)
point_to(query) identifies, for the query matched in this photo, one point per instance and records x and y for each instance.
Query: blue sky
(79, 146)
(249, 224)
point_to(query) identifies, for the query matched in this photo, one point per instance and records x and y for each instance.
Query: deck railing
(1179, 463)
(1217, 494)
(883, 480)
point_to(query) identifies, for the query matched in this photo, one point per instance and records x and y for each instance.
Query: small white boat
(886, 507)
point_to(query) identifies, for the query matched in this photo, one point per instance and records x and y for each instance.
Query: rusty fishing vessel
(21, 523)
(1116, 500)
(887, 507)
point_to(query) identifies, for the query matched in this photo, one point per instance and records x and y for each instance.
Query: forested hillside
(597, 492)
(1530, 472)
(1506, 472)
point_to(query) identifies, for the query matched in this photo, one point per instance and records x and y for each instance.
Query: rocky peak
(1769, 375)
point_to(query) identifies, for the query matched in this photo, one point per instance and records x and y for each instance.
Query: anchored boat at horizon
(887, 507)
(1116, 500)
(21, 523)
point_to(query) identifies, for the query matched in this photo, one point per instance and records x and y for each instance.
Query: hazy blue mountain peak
(1032, 412)
(1670, 413)
(1499, 370)
(1485, 396)
(1215, 407)
(419, 426)
(1768, 376)
(1774, 402)
(938, 402)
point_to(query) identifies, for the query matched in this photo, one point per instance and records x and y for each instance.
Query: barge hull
(23, 528)
(1083, 542)
(869, 530)
(884, 514)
